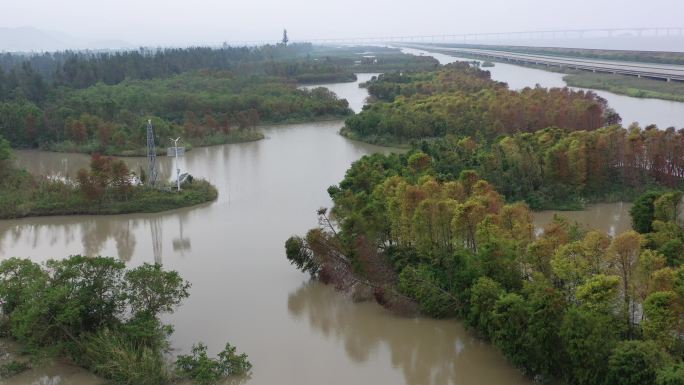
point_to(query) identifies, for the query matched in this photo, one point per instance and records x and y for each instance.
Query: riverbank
(50, 199)
(384, 141)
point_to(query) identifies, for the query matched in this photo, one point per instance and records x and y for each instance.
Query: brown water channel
(244, 290)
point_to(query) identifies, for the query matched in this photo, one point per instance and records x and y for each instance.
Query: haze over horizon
(128, 23)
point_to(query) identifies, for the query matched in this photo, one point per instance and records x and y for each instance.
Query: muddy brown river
(244, 291)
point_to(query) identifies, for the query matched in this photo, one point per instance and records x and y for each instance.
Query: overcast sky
(175, 22)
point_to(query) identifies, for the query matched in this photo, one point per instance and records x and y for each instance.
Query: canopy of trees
(571, 304)
(553, 168)
(100, 102)
(196, 106)
(462, 100)
(104, 317)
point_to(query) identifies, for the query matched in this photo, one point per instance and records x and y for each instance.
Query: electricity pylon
(151, 155)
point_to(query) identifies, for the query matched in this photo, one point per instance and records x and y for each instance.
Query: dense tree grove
(85, 69)
(553, 148)
(462, 100)
(570, 304)
(656, 215)
(99, 314)
(100, 102)
(554, 168)
(202, 107)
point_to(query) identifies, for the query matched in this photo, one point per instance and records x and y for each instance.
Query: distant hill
(28, 39)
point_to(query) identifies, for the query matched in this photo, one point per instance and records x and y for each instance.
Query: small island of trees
(107, 187)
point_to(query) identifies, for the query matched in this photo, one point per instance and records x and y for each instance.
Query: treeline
(107, 187)
(33, 76)
(100, 102)
(461, 100)
(83, 69)
(203, 107)
(571, 305)
(554, 168)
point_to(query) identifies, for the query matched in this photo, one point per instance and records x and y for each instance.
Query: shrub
(204, 370)
(13, 368)
(114, 356)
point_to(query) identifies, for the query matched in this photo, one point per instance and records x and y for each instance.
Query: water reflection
(54, 237)
(46, 372)
(95, 234)
(181, 243)
(427, 351)
(610, 218)
(155, 229)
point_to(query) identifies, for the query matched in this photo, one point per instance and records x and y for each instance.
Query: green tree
(81, 295)
(666, 206)
(635, 363)
(483, 296)
(301, 256)
(662, 311)
(588, 338)
(423, 284)
(546, 307)
(642, 212)
(671, 375)
(205, 370)
(600, 293)
(18, 277)
(510, 316)
(150, 289)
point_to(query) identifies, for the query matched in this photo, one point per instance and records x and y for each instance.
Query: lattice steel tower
(151, 155)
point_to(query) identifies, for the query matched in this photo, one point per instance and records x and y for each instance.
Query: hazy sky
(169, 22)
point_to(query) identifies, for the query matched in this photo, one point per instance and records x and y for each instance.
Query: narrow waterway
(663, 113)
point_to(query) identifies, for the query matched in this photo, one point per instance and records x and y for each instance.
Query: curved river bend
(244, 291)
